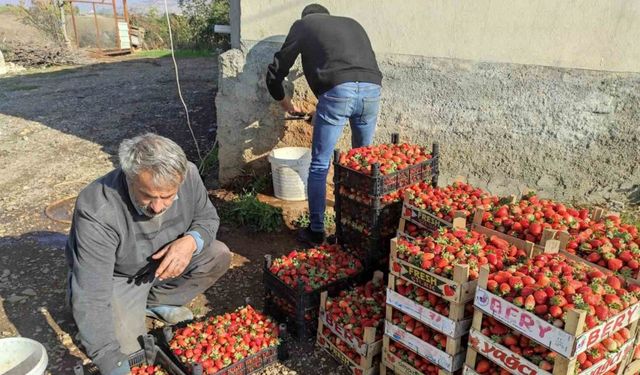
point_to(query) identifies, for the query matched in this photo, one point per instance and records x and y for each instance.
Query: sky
(134, 5)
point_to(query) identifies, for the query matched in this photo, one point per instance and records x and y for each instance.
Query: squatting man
(142, 243)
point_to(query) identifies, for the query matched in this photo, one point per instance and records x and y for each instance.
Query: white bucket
(290, 169)
(22, 356)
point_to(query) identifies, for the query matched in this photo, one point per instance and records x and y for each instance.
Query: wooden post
(75, 28)
(115, 17)
(95, 20)
(126, 19)
(63, 25)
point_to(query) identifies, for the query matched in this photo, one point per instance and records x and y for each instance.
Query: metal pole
(234, 20)
(115, 16)
(95, 19)
(75, 29)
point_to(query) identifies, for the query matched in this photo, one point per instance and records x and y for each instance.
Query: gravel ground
(59, 130)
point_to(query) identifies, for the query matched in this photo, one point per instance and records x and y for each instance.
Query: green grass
(7, 9)
(303, 221)
(158, 53)
(248, 211)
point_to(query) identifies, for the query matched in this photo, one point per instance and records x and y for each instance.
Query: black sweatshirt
(334, 50)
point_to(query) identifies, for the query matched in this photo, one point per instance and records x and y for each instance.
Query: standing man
(341, 69)
(142, 242)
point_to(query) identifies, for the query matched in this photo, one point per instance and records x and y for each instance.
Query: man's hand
(177, 256)
(288, 105)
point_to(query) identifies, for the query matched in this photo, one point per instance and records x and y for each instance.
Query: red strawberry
(529, 303)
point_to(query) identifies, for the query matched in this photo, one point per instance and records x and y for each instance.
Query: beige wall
(590, 34)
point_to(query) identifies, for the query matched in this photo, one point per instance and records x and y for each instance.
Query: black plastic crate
(367, 217)
(377, 184)
(246, 366)
(372, 249)
(302, 303)
(150, 355)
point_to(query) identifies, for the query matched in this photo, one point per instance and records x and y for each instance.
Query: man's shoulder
(103, 195)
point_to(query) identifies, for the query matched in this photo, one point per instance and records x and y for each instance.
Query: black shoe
(309, 237)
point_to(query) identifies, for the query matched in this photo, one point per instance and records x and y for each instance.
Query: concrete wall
(588, 34)
(571, 134)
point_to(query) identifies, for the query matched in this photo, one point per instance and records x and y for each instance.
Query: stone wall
(571, 134)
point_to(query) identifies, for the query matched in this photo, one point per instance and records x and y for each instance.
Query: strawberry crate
(458, 290)
(151, 354)
(366, 344)
(366, 217)
(403, 295)
(245, 366)
(406, 362)
(377, 184)
(298, 306)
(445, 352)
(358, 364)
(515, 363)
(568, 342)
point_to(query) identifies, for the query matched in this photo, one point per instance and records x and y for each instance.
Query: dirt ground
(59, 130)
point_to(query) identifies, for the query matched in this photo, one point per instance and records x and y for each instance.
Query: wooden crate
(517, 364)
(454, 325)
(451, 359)
(425, 218)
(391, 362)
(366, 365)
(367, 347)
(568, 342)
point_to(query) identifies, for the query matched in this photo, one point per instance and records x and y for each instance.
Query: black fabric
(334, 50)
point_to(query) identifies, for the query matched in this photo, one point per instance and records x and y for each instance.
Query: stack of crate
(428, 315)
(560, 348)
(358, 351)
(368, 207)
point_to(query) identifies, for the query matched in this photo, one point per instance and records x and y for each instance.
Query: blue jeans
(354, 101)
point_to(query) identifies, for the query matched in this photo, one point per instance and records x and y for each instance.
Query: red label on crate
(525, 322)
(502, 356)
(345, 335)
(607, 328)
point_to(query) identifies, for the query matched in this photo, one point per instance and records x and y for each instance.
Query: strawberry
(530, 303)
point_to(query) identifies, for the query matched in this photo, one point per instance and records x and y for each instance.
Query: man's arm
(205, 223)
(283, 61)
(93, 249)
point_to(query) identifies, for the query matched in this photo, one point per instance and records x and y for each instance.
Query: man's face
(152, 200)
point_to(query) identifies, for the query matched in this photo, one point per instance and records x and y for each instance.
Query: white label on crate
(606, 329)
(433, 354)
(502, 356)
(523, 321)
(427, 316)
(354, 342)
(612, 360)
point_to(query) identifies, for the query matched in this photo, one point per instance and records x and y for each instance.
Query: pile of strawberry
(413, 359)
(419, 330)
(550, 284)
(441, 251)
(444, 202)
(148, 370)
(391, 157)
(529, 217)
(610, 244)
(416, 232)
(315, 267)
(222, 340)
(545, 358)
(426, 299)
(360, 307)
(486, 367)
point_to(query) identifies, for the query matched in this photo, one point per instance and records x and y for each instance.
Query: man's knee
(217, 257)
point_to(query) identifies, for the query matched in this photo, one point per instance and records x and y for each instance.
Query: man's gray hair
(160, 156)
